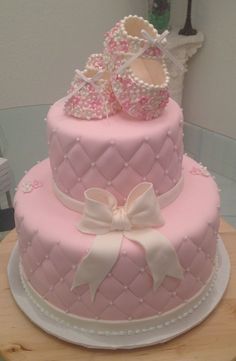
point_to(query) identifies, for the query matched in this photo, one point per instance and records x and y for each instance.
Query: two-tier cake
(118, 229)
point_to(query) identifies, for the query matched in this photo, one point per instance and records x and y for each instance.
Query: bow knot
(154, 41)
(120, 220)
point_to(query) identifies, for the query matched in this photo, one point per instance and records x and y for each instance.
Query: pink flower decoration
(143, 100)
(37, 184)
(200, 171)
(111, 44)
(127, 82)
(124, 45)
(28, 186)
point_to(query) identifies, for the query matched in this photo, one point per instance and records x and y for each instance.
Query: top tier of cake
(115, 153)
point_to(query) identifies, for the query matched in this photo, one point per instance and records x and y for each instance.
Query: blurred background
(43, 42)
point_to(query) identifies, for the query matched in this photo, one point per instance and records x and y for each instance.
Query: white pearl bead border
(202, 298)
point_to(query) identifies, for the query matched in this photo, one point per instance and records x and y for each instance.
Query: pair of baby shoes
(130, 75)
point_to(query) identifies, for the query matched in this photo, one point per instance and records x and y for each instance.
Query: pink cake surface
(115, 153)
(51, 247)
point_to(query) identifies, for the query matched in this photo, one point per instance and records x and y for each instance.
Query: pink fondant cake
(52, 247)
(117, 229)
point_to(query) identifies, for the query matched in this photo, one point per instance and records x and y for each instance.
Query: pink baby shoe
(133, 51)
(90, 95)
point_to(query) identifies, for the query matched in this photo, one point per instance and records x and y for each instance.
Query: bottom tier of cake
(51, 247)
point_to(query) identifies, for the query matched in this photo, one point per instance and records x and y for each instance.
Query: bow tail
(161, 257)
(98, 263)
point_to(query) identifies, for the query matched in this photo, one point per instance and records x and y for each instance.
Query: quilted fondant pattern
(50, 252)
(116, 153)
(123, 295)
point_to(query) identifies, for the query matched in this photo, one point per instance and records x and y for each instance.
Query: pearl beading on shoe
(96, 61)
(139, 99)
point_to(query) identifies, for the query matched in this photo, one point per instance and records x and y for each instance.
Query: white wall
(42, 42)
(209, 92)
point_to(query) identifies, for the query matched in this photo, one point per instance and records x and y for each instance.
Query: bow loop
(142, 207)
(98, 211)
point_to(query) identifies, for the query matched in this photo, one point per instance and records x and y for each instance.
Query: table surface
(214, 339)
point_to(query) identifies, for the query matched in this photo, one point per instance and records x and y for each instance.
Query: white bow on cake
(102, 217)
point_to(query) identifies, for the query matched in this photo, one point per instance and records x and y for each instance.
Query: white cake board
(77, 337)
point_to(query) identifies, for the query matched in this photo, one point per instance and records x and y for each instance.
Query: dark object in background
(7, 221)
(188, 29)
(159, 14)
